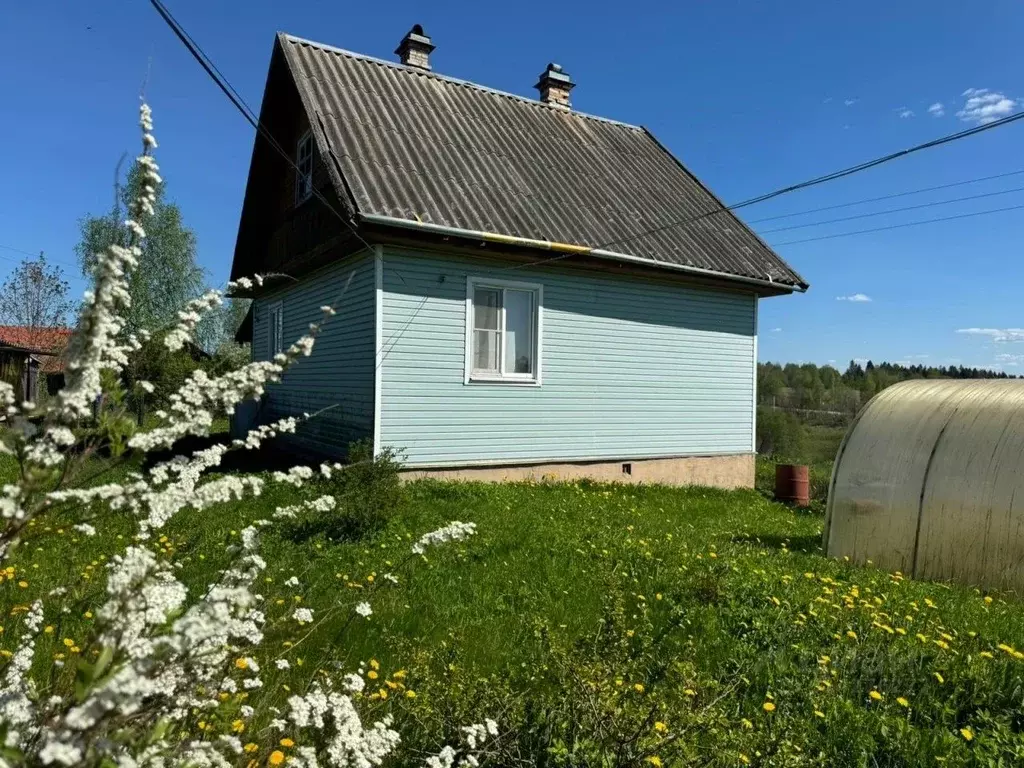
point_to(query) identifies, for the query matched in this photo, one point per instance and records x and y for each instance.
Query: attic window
(304, 168)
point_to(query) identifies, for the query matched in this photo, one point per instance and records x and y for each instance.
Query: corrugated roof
(418, 146)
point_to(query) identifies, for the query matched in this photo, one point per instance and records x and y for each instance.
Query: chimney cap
(555, 75)
(415, 39)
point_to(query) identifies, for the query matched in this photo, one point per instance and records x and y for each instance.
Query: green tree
(168, 275)
(35, 295)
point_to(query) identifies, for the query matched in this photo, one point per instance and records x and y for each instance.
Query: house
(522, 290)
(32, 359)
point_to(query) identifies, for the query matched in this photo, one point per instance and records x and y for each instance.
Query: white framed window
(503, 331)
(275, 330)
(304, 168)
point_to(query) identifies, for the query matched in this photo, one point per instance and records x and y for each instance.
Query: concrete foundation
(736, 471)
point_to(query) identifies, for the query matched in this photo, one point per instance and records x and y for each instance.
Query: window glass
(518, 331)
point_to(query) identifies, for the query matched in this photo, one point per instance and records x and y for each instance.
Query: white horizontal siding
(338, 376)
(631, 368)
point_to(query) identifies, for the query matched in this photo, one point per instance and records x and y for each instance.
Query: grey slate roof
(416, 145)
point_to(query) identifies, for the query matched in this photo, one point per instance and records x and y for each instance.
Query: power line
(840, 174)
(247, 112)
(891, 210)
(18, 250)
(900, 226)
(885, 197)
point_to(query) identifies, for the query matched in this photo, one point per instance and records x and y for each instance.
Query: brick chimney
(554, 86)
(415, 48)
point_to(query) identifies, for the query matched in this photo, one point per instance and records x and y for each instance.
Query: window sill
(491, 380)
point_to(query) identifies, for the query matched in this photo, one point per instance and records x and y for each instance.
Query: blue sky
(750, 95)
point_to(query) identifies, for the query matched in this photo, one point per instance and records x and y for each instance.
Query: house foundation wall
(729, 472)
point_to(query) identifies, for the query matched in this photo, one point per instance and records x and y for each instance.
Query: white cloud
(849, 102)
(828, 100)
(996, 334)
(984, 106)
(905, 112)
(937, 109)
(860, 360)
(776, 330)
(1007, 359)
(857, 297)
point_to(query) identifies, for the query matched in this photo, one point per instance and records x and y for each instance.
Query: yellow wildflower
(250, 747)
(819, 713)
(851, 634)
(238, 726)
(747, 724)
(967, 733)
(372, 674)
(68, 642)
(660, 727)
(902, 701)
(638, 687)
(768, 706)
(241, 663)
(939, 677)
(410, 694)
(986, 654)
(374, 664)
(876, 695)
(655, 761)
(276, 757)
(286, 742)
(48, 630)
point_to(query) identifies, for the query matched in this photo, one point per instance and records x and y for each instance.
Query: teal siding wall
(339, 373)
(631, 368)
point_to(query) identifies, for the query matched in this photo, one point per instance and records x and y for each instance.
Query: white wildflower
(364, 610)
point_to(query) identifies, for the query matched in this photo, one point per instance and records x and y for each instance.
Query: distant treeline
(823, 388)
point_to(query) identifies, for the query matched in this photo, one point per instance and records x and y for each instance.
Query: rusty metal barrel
(792, 484)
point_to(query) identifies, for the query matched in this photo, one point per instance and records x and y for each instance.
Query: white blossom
(454, 531)
(364, 610)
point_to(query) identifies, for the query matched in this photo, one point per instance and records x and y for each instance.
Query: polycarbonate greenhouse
(929, 481)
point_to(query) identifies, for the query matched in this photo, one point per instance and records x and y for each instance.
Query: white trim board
(378, 357)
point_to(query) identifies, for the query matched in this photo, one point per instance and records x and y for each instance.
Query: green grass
(600, 625)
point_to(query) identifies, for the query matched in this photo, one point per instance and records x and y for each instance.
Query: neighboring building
(522, 289)
(32, 359)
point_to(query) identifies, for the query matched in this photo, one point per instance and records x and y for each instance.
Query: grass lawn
(600, 625)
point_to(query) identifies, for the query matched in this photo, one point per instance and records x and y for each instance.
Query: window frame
(516, 379)
(302, 195)
(275, 335)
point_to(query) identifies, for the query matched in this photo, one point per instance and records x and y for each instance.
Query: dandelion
(410, 694)
(250, 747)
(876, 696)
(768, 706)
(819, 713)
(851, 634)
(638, 687)
(276, 757)
(660, 727)
(902, 701)
(655, 761)
(286, 742)
(967, 733)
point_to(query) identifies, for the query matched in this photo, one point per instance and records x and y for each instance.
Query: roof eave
(566, 250)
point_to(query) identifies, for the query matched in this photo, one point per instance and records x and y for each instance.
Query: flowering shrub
(156, 654)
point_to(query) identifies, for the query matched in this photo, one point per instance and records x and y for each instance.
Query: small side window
(503, 322)
(304, 168)
(275, 335)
